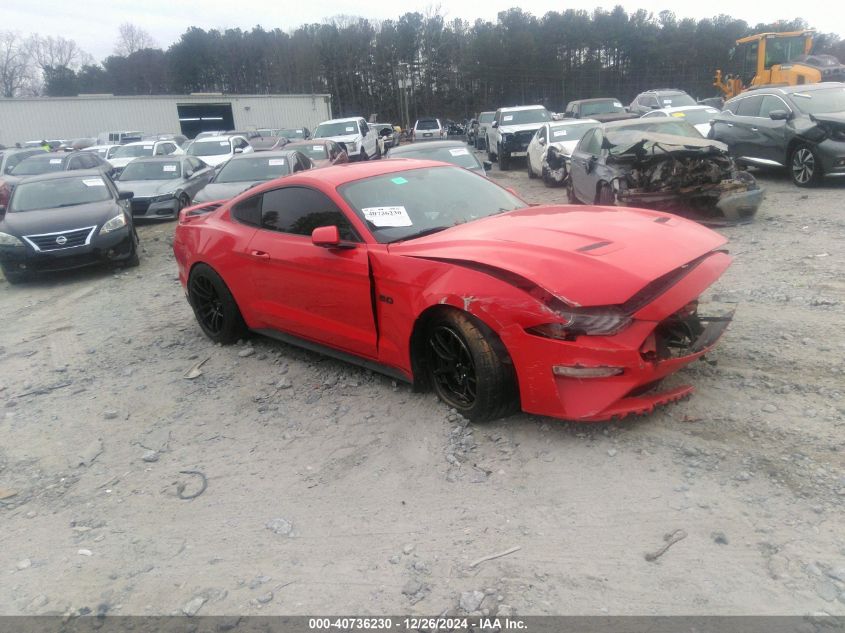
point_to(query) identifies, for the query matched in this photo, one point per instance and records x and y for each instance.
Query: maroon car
(321, 151)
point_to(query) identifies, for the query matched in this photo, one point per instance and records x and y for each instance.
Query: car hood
(585, 256)
(638, 143)
(522, 127)
(837, 118)
(346, 138)
(149, 188)
(54, 220)
(223, 190)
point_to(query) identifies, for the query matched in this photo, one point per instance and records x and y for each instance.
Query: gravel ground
(326, 488)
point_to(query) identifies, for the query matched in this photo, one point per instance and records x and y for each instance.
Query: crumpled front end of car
(707, 188)
(586, 377)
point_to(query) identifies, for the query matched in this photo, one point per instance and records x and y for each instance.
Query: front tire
(531, 174)
(467, 370)
(214, 306)
(805, 166)
(363, 156)
(14, 277)
(605, 196)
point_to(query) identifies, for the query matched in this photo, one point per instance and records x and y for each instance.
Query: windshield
(133, 151)
(325, 130)
(675, 100)
(151, 170)
(486, 117)
(695, 117)
(610, 106)
(820, 101)
(406, 204)
(569, 132)
(518, 117)
(314, 152)
(63, 192)
(292, 133)
(35, 165)
(460, 156)
(209, 148)
(254, 169)
(427, 124)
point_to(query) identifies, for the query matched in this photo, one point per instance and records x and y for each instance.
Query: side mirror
(569, 114)
(541, 141)
(125, 195)
(487, 165)
(325, 236)
(494, 124)
(239, 150)
(654, 107)
(189, 172)
(779, 115)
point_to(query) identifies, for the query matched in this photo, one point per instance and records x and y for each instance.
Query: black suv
(660, 98)
(800, 127)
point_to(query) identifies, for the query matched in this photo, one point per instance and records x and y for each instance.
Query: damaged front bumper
(596, 378)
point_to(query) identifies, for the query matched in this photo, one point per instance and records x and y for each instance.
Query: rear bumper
(110, 248)
(144, 209)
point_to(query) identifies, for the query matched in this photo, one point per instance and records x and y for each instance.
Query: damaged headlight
(163, 198)
(590, 322)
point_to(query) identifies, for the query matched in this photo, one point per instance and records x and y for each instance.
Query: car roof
(207, 139)
(61, 155)
(595, 100)
(529, 107)
(162, 159)
(402, 149)
(686, 108)
(802, 88)
(346, 120)
(337, 175)
(58, 175)
(660, 90)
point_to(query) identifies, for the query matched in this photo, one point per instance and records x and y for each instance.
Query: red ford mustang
(440, 277)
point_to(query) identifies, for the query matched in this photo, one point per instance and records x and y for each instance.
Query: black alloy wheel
(214, 306)
(454, 370)
(207, 303)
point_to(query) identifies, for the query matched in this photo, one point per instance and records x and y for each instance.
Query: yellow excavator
(767, 59)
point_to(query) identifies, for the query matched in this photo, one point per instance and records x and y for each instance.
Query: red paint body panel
(365, 300)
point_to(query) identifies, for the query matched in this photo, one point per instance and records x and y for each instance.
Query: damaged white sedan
(665, 165)
(555, 141)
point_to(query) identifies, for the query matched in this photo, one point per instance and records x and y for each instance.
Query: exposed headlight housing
(117, 222)
(9, 240)
(163, 198)
(589, 322)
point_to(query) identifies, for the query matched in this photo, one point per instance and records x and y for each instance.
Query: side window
(299, 211)
(195, 163)
(651, 102)
(74, 163)
(750, 106)
(364, 128)
(249, 211)
(541, 134)
(591, 143)
(730, 107)
(771, 103)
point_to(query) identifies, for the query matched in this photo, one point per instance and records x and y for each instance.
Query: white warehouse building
(33, 119)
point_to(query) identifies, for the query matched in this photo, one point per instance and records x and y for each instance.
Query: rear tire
(467, 370)
(214, 306)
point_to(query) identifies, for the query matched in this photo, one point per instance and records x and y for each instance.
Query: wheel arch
(417, 341)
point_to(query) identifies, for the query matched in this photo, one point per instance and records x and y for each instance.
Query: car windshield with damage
(520, 117)
(408, 204)
(254, 169)
(344, 128)
(608, 106)
(133, 151)
(820, 101)
(151, 170)
(62, 192)
(209, 148)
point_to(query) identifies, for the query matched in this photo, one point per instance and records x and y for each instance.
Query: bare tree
(132, 39)
(57, 51)
(17, 72)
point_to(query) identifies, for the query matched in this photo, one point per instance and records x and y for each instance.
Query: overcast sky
(93, 23)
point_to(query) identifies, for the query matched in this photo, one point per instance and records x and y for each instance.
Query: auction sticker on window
(459, 151)
(276, 161)
(387, 216)
(316, 148)
(507, 117)
(222, 143)
(351, 128)
(168, 168)
(560, 132)
(616, 104)
(93, 182)
(55, 161)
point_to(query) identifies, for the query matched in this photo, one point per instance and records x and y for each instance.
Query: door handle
(754, 129)
(260, 254)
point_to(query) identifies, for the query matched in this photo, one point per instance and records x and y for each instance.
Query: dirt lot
(332, 489)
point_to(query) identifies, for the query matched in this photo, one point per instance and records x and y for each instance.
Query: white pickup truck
(359, 140)
(511, 131)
